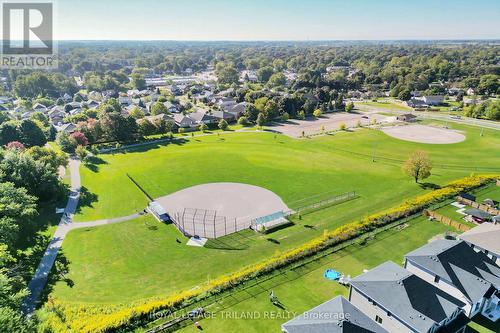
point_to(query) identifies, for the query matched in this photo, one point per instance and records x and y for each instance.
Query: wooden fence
(446, 220)
(486, 208)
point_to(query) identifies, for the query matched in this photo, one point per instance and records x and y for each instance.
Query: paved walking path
(39, 280)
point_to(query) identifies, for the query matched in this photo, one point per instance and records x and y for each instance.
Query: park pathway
(39, 280)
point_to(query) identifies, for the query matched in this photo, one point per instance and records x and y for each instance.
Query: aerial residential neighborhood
(274, 166)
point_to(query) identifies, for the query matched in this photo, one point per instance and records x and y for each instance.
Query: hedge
(57, 316)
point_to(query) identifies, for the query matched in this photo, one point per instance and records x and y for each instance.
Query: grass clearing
(140, 259)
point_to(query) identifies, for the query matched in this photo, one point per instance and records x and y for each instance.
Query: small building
(337, 315)
(408, 117)
(433, 100)
(158, 211)
(476, 215)
(400, 301)
(454, 267)
(490, 202)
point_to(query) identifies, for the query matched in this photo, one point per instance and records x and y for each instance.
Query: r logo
(27, 28)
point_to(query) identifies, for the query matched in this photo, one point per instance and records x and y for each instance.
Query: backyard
(303, 289)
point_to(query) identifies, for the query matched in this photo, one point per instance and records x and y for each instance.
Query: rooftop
(411, 299)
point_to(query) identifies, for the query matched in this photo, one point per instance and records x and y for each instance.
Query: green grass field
(294, 169)
(141, 258)
(303, 289)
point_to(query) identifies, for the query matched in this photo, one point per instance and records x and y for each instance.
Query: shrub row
(60, 316)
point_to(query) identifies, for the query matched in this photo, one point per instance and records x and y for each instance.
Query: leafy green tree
(285, 116)
(277, 80)
(136, 113)
(243, 121)
(264, 74)
(39, 178)
(203, 127)
(12, 292)
(32, 134)
(9, 131)
(66, 142)
(138, 81)
(489, 84)
(404, 95)
(115, 127)
(223, 125)
(301, 115)
(145, 127)
(261, 120)
(81, 152)
(158, 108)
(349, 107)
(418, 166)
(16, 207)
(317, 113)
(48, 156)
(226, 73)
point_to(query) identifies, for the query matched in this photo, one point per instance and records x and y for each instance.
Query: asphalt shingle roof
(473, 273)
(337, 315)
(406, 296)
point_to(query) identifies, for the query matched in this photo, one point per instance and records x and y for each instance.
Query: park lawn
(491, 192)
(293, 169)
(307, 288)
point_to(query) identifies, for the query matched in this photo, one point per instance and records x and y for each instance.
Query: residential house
(433, 100)
(95, 96)
(455, 268)
(416, 103)
(237, 110)
(124, 101)
(401, 302)
(68, 128)
(407, 117)
(200, 117)
(476, 215)
(184, 121)
(92, 104)
(337, 315)
(172, 108)
(469, 101)
(227, 116)
(225, 103)
(40, 108)
(484, 238)
(56, 115)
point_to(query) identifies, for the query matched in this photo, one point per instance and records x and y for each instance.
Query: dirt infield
(220, 204)
(424, 134)
(330, 122)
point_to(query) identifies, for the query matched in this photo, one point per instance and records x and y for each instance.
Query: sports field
(141, 258)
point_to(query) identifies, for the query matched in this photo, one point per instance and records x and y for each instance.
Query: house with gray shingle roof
(337, 315)
(454, 267)
(485, 238)
(400, 301)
